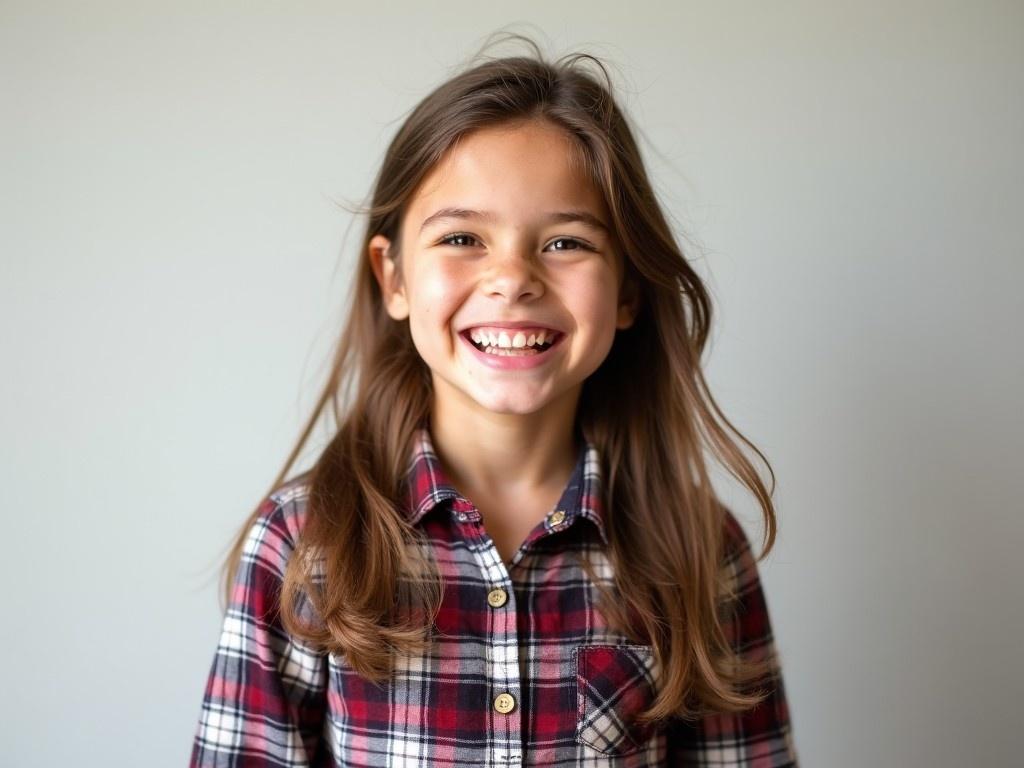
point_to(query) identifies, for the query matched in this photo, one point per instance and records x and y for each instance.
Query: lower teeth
(503, 352)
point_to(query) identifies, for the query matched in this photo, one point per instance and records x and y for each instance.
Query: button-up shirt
(522, 669)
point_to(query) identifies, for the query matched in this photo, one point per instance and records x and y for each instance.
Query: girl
(510, 553)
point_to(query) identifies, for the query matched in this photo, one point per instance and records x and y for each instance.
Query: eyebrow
(556, 217)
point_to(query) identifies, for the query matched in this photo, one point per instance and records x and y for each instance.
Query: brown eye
(448, 239)
(579, 245)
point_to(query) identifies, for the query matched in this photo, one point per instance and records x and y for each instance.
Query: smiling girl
(510, 553)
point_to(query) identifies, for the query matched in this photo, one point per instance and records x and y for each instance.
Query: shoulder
(739, 560)
(278, 524)
(736, 543)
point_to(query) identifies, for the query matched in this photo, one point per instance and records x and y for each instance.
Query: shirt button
(504, 703)
(557, 516)
(497, 597)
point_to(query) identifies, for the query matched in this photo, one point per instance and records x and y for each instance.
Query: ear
(389, 277)
(629, 303)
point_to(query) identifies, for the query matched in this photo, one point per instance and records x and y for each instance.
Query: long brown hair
(664, 522)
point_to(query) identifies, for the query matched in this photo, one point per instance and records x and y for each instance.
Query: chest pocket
(614, 683)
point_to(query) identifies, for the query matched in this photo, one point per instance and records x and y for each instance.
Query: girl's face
(489, 248)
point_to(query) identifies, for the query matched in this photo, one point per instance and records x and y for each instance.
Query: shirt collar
(427, 485)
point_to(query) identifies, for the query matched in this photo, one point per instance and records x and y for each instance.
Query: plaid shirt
(523, 669)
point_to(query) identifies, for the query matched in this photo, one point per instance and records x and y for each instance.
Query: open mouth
(525, 351)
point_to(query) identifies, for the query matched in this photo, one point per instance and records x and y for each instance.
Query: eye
(580, 245)
(447, 239)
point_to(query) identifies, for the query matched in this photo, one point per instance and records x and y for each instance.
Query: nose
(512, 277)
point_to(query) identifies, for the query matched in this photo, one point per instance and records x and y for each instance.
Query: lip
(512, 362)
(512, 324)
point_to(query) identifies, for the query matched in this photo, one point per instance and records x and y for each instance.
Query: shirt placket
(502, 647)
(503, 667)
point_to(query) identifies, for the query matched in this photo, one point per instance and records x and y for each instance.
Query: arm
(265, 697)
(760, 737)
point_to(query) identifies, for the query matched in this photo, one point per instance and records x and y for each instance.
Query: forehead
(518, 171)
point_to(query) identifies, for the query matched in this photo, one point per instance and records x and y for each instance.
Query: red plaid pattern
(614, 683)
(533, 676)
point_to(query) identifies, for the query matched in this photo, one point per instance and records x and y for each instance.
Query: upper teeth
(528, 338)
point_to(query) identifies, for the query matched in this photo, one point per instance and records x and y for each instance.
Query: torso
(508, 535)
(509, 524)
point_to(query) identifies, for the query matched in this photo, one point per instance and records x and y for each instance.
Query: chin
(519, 406)
(511, 409)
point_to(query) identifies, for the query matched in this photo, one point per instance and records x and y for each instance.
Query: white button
(497, 597)
(557, 516)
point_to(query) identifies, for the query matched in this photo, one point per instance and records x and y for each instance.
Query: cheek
(594, 302)
(436, 296)
(440, 286)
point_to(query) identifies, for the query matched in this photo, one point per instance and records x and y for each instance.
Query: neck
(505, 455)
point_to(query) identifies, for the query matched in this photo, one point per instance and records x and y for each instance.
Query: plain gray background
(848, 177)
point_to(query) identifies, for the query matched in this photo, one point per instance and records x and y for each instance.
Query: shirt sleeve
(264, 702)
(760, 737)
